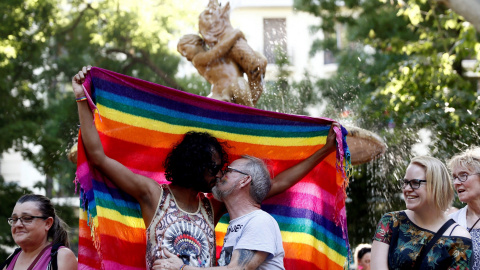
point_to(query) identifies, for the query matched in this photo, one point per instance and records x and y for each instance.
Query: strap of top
(473, 226)
(38, 257)
(423, 254)
(10, 258)
(53, 255)
(453, 229)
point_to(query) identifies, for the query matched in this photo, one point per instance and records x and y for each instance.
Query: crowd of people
(203, 187)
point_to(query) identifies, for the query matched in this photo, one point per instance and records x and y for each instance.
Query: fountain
(223, 56)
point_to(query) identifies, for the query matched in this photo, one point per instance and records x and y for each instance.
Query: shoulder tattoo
(245, 257)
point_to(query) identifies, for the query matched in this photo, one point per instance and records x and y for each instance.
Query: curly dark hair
(186, 164)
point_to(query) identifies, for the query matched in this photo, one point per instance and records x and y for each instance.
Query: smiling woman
(465, 168)
(422, 237)
(41, 235)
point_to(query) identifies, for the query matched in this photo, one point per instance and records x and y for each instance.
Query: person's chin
(19, 239)
(463, 196)
(412, 205)
(205, 190)
(205, 187)
(216, 194)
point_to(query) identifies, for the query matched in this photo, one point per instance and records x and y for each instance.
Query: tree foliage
(44, 43)
(399, 73)
(23, 34)
(9, 194)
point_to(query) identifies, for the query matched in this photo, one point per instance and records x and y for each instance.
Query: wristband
(80, 99)
(183, 266)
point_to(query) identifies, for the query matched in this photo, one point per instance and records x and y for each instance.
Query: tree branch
(145, 59)
(78, 19)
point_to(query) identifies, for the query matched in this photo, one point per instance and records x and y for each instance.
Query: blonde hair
(438, 181)
(364, 248)
(468, 159)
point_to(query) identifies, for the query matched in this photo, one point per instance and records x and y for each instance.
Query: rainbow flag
(139, 122)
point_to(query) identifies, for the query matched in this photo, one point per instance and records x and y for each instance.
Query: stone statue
(223, 56)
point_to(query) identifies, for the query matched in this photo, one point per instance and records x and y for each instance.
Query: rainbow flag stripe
(139, 122)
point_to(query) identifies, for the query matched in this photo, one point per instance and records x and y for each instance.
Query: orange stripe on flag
(308, 253)
(121, 231)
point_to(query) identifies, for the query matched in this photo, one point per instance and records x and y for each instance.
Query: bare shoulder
(458, 231)
(66, 259)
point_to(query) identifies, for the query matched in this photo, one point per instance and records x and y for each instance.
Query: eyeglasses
(414, 183)
(230, 169)
(214, 169)
(463, 177)
(25, 220)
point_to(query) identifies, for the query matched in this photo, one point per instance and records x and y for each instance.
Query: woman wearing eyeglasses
(465, 168)
(422, 236)
(37, 229)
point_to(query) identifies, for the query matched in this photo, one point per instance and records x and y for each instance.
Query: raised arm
(242, 259)
(145, 190)
(219, 50)
(293, 175)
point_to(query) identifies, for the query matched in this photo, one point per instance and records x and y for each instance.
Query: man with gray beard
(253, 239)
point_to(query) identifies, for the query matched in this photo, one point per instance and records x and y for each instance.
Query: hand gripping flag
(139, 122)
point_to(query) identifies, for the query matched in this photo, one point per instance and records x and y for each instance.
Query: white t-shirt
(256, 230)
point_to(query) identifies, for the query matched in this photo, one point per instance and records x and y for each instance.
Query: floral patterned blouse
(406, 240)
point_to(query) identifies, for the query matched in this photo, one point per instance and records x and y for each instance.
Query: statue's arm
(219, 50)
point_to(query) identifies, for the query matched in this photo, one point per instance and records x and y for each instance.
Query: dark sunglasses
(213, 169)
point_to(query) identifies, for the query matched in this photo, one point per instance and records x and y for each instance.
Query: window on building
(328, 57)
(274, 38)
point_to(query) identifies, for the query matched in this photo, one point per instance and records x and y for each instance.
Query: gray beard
(220, 195)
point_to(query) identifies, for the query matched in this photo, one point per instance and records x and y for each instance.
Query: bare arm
(241, 259)
(293, 175)
(66, 260)
(219, 50)
(379, 255)
(145, 190)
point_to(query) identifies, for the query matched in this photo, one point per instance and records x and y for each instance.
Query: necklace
(473, 226)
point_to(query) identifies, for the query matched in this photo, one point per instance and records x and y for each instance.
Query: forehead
(30, 208)
(238, 162)
(366, 256)
(461, 169)
(415, 171)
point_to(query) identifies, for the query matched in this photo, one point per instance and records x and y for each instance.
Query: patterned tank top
(191, 236)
